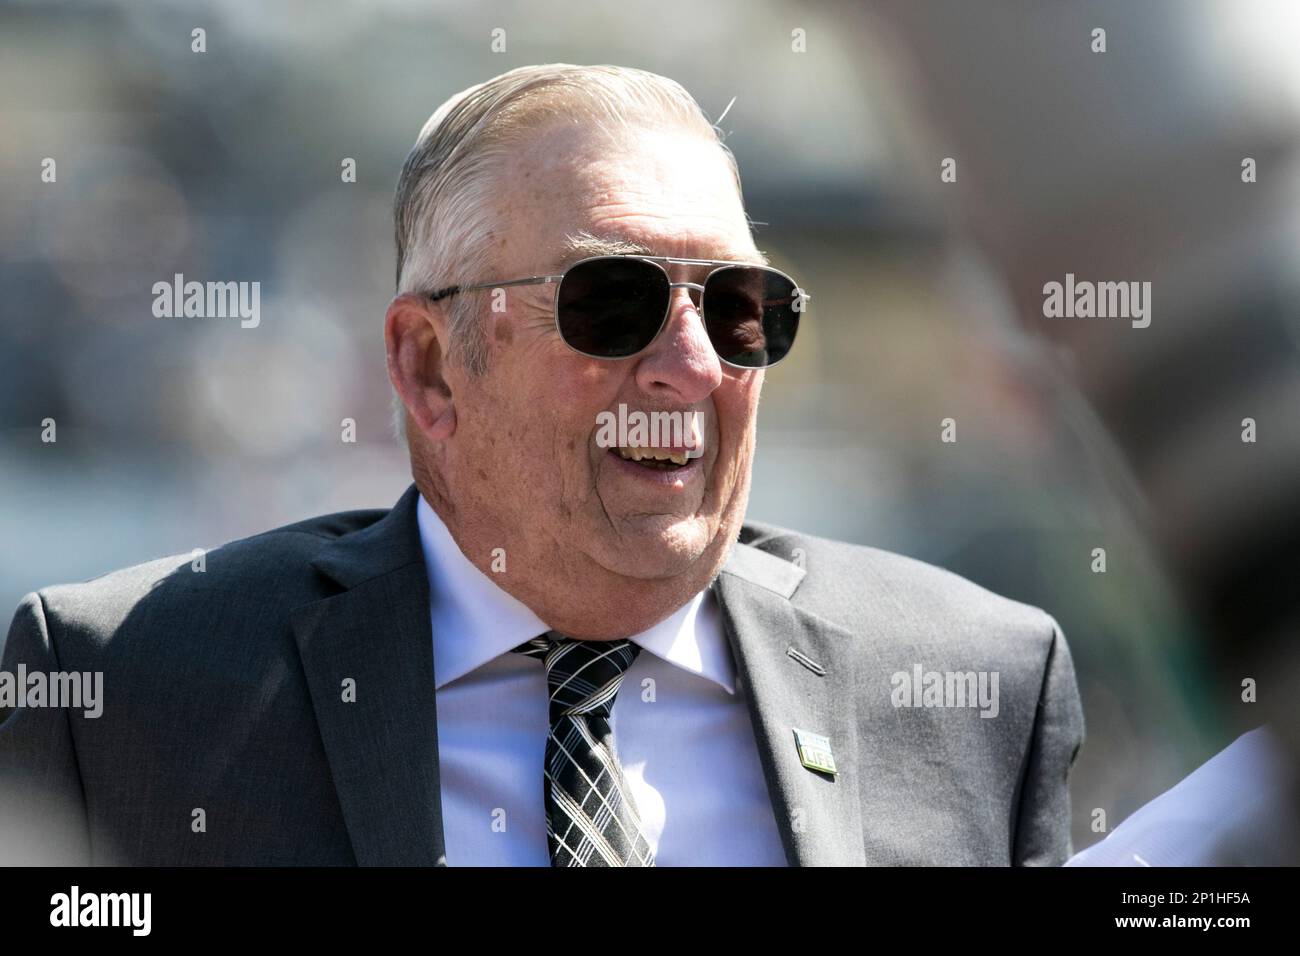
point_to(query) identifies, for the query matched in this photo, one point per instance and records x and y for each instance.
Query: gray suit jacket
(225, 737)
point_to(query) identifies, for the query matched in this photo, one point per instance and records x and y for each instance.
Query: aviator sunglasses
(614, 306)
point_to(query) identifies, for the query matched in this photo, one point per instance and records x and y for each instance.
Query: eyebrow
(583, 245)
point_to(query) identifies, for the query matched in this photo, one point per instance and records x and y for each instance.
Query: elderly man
(440, 683)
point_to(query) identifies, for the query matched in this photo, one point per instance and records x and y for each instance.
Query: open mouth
(657, 459)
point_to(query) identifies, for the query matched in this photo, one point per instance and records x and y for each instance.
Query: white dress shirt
(682, 730)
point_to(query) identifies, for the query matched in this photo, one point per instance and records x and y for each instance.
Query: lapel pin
(814, 751)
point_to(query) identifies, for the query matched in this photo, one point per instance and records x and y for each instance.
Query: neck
(576, 596)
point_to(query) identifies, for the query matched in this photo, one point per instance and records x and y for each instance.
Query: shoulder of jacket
(271, 566)
(857, 582)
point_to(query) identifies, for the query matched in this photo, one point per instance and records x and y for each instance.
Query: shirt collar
(692, 638)
(475, 621)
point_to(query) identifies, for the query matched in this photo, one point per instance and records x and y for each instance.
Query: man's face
(525, 447)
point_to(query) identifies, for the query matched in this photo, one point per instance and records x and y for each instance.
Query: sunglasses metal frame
(718, 264)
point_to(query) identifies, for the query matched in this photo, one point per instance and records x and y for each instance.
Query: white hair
(444, 210)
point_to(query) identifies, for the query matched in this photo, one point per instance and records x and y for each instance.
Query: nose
(681, 365)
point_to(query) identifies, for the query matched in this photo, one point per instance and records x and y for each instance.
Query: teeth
(655, 454)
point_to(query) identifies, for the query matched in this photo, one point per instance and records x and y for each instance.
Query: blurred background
(1072, 434)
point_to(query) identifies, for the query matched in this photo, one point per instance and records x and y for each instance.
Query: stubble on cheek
(574, 482)
(733, 486)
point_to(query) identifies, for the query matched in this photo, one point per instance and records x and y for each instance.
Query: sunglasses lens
(612, 307)
(752, 314)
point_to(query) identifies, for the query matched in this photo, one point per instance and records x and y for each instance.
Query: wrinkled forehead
(568, 193)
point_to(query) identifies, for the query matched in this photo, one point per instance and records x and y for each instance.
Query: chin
(656, 546)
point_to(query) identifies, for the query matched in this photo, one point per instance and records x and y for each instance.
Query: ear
(415, 340)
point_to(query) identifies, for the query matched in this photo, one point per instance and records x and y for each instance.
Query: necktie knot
(582, 677)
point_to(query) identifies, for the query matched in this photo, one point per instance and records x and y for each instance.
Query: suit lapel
(817, 814)
(382, 746)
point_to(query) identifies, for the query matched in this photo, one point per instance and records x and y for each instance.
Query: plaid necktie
(591, 819)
